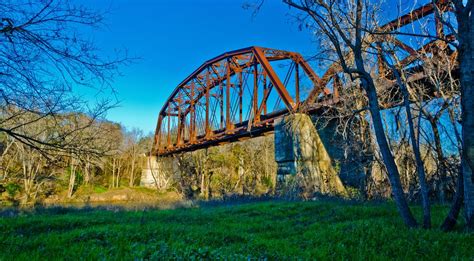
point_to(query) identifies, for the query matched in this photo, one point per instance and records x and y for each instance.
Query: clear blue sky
(175, 37)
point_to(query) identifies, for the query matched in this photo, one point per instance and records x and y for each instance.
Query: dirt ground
(119, 196)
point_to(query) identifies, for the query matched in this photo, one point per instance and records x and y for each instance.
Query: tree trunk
(3, 172)
(87, 174)
(203, 184)
(466, 64)
(117, 175)
(450, 220)
(156, 175)
(208, 185)
(27, 179)
(132, 173)
(416, 151)
(392, 170)
(241, 174)
(113, 172)
(420, 168)
(441, 159)
(72, 179)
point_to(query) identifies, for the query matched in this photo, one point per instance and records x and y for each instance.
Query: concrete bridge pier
(151, 168)
(304, 166)
(157, 173)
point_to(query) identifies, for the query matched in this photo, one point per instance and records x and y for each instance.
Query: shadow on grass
(117, 206)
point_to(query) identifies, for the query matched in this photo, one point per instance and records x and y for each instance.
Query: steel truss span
(239, 94)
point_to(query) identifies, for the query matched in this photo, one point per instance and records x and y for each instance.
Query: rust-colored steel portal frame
(239, 94)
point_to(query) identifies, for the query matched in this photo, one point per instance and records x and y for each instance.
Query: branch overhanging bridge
(240, 94)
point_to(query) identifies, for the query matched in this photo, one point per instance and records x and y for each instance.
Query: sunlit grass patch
(274, 230)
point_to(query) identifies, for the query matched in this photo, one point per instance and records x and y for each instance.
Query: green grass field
(272, 230)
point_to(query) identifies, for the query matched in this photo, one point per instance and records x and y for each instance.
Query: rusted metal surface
(234, 95)
(239, 94)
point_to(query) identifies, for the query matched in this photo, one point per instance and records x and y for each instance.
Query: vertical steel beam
(169, 125)
(297, 84)
(256, 116)
(227, 98)
(241, 92)
(179, 135)
(208, 85)
(380, 62)
(192, 120)
(336, 84)
(265, 92)
(438, 22)
(221, 103)
(158, 134)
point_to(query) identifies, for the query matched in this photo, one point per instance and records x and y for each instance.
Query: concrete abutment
(304, 165)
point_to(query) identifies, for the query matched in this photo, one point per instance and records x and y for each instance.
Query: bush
(12, 189)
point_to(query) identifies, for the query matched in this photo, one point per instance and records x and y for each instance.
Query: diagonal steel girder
(285, 96)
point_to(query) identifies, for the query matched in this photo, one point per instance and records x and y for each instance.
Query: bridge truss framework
(240, 94)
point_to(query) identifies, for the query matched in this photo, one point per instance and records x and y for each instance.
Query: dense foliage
(27, 175)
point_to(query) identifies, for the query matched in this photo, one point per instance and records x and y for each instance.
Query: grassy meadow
(261, 230)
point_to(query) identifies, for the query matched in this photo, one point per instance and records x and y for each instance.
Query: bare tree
(465, 36)
(463, 31)
(401, 80)
(43, 58)
(132, 139)
(344, 25)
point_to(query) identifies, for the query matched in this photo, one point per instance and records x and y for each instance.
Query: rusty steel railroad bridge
(240, 94)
